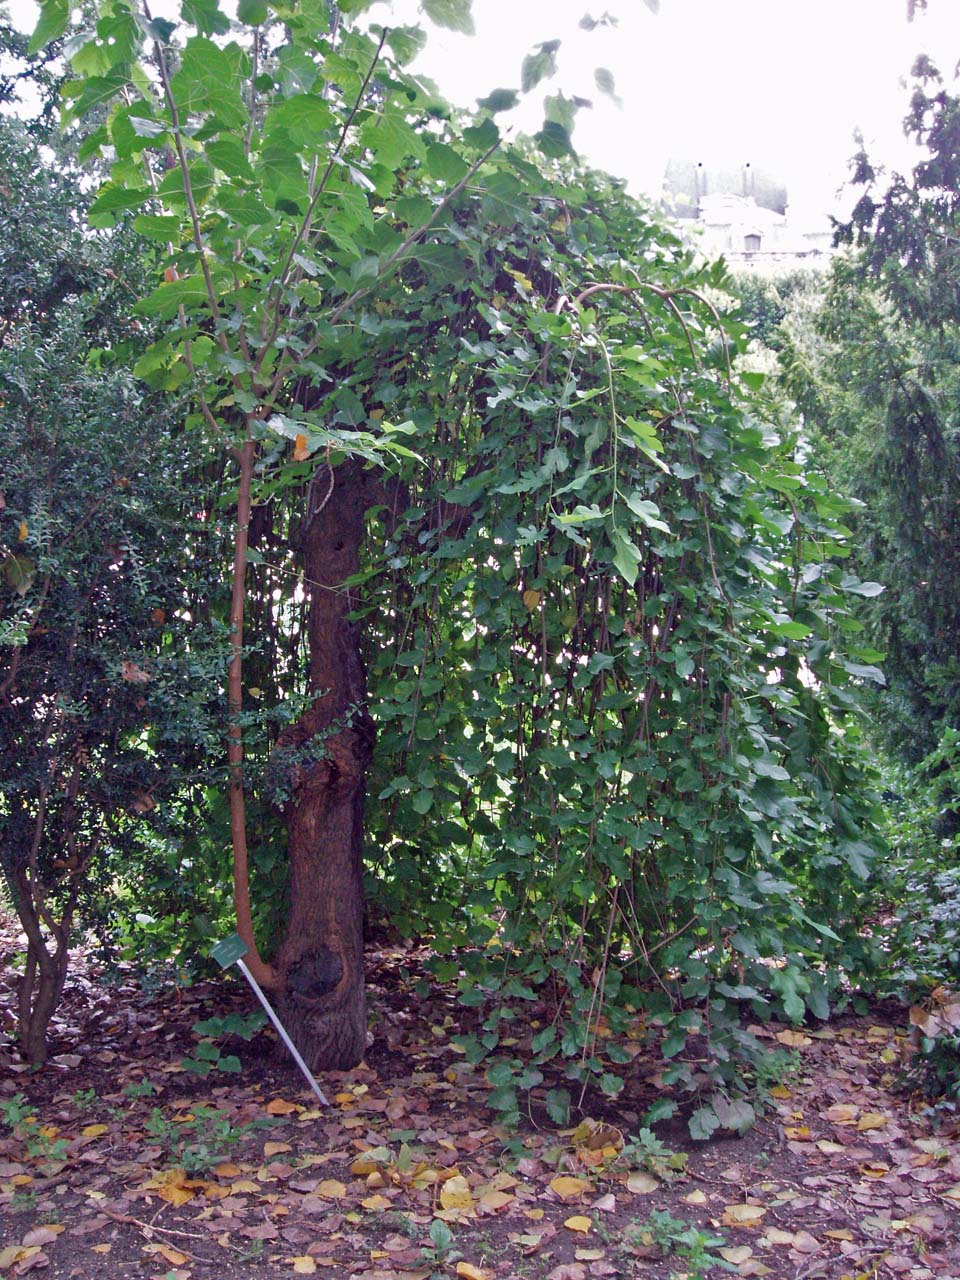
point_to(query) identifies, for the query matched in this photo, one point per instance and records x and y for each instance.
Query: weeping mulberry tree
(574, 654)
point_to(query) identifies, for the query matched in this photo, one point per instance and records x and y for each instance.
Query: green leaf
(113, 200)
(52, 23)
(155, 226)
(605, 83)
(445, 164)
(626, 556)
(209, 83)
(539, 65)
(252, 12)
(205, 15)
(646, 511)
(704, 1121)
(453, 14)
(499, 100)
(554, 140)
(558, 1105)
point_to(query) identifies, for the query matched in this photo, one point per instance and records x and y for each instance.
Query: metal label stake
(231, 951)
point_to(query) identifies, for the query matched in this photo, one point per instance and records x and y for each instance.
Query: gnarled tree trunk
(321, 762)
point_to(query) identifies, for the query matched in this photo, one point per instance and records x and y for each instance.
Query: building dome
(687, 182)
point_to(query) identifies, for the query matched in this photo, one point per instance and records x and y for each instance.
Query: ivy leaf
(452, 14)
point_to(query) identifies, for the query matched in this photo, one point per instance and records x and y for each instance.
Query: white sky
(782, 84)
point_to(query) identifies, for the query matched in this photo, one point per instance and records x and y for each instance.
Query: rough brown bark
(319, 767)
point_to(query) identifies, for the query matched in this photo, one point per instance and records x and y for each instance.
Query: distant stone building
(742, 213)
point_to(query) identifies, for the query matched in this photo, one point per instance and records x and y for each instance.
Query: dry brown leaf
(793, 1039)
(742, 1215)
(841, 1233)
(842, 1113)
(42, 1235)
(567, 1188)
(804, 1242)
(275, 1148)
(280, 1107)
(578, 1223)
(227, 1170)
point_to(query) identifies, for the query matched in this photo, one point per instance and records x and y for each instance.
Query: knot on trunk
(314, 976)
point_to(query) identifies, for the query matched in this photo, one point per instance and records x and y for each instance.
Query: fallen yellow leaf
(736, 1253)
(455, 1193)
(94, 1131)
(376, 1202)
(578, 1223)
(303, 1264)
(695, 1197)
(871, 1120)
(798, 1133)
(566, 1187)
(100, 1248)
(778, 1091)
(641, 1184)
(841, 1234)
(469, 1272)
(175, 1193)
(742, 1215)
(494, 1200)
(331, 1189)
(775, 1235)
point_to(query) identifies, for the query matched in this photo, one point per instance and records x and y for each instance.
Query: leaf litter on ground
(122, 1160)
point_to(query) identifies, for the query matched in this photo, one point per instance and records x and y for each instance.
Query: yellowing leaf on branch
(531, 599)
(300, 450)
